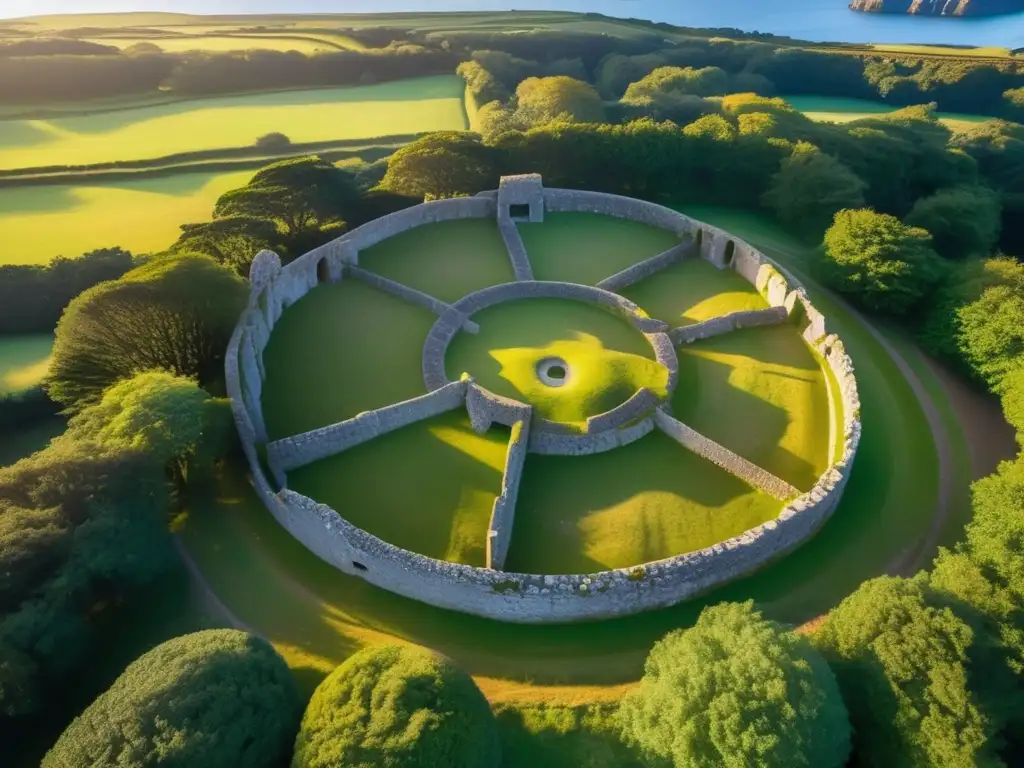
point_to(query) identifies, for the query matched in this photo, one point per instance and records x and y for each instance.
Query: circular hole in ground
(552, 371)
(556, 372)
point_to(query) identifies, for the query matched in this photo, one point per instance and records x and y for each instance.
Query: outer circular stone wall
(490, 592)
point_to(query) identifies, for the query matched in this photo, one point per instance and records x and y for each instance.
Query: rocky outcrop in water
(940, 7)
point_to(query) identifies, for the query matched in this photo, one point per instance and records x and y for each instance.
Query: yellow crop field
(401, 107)
(38, 223)
(219, 43)
(842, 110)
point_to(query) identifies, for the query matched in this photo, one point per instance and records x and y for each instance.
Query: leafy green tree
(397, 707)
(902, 665)
(233, 241)
(679, 81)
(441, 164)
(175, 313)
(541, 100)
(737, 689)
(963, 221)
(298, 194)
(884, 264)
(213, 698)
(810, 188)
(990, 332)
(964, 283)
(1011, 389)
(1014, 101)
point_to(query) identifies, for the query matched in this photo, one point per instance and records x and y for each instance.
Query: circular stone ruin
(492, 591)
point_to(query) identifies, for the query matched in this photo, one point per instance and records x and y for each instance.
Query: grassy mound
(607, 360)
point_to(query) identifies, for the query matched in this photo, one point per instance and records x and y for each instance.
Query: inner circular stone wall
(491, 592)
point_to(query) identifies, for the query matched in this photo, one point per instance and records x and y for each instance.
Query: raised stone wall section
(647, 268)
(579, 201)
(436, 346)
(717, 326)
(486, 408)
(665, 353)
(640, 404)
(553, 598)
(723, 457)
(299, 450)
(503, 514)
(413, 296)
(575, 444)
(516, 248)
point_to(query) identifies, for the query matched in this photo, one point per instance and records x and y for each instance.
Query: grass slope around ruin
(386, 109)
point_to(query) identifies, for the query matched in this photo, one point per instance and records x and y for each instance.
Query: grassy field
(24, 361)
(448, 260)
(40, 222)
(220, 43)
(606, 359)
(402, 107)
(586, 248)
(991, 52)
(835, 109)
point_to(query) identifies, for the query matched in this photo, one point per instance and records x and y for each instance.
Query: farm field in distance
(220, 43)
(401, 107)
(40, 222)
(24, 361)
(835, 109)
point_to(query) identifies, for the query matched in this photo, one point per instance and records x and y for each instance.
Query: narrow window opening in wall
(519, 212)
(699, 239)
(359, 566)
(323, 274)
(828, 351)
(730, 252)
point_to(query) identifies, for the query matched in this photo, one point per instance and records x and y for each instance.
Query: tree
(902, 665)
(397, 707)
(233, 241)
(213, 698)
(964, 221)
(810, 188)
(887, 266)
(679, 81)
(543, 100)
(990, 332)
(737, 689)
(443, 165)
(174, 314)
(169, 418)
(298, 194)
(1011, 388)
(274, 142)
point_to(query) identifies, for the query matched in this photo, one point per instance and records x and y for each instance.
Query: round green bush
(210, 699)
(737, 690)
(397, 706)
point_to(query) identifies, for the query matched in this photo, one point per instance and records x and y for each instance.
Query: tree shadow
(42, 199)
(24, 133)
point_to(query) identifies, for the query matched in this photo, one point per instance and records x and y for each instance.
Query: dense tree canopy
(232, 241)
(884, 264)
(541, 100)
(84, 523)
(175, 313)
(810, 188)
(667, 81)
(737, 689)
(441, 165)
(963, 222)
(397, 707)
(990, 331)
(218, 698)
(902, 665)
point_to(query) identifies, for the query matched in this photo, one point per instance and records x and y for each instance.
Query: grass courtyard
(347, 348)
(330, 114)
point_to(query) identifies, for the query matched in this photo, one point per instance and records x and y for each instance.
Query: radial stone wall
(487, 591)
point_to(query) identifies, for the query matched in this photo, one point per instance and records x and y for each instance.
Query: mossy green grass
(838, 109)
(386, 109)
(447, 260)
(586, 248)
(606, 359)
(24, 361)
(40, 222)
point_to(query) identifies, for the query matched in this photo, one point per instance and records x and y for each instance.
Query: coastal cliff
(939, 7)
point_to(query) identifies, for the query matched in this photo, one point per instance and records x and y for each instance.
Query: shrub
(274, 142)
(397, 707)
(210, 699)
(737, 689)
(963, 222)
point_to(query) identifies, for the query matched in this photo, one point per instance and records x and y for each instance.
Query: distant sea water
(816, 20)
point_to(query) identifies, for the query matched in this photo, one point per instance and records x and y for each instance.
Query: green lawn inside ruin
(448, 260)
(607, 359)
(586, 248)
